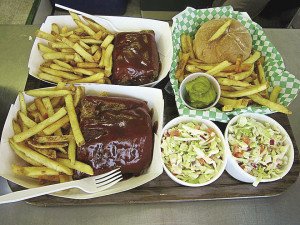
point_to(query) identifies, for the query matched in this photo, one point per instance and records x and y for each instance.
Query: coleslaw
(192, 152)
(259, 148)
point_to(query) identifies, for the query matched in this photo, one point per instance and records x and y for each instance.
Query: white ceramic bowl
(185, 119)
(183, 93)
(233, 167)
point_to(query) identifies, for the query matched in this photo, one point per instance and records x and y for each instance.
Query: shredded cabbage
(259, 148)
(192, 152)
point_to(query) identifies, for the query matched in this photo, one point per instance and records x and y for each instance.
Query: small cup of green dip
(200, 91)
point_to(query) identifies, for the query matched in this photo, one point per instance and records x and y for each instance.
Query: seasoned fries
(76, 54)
(47, 130)
(242, 84)
(220, 31)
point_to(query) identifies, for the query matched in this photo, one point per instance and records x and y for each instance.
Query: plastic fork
(89, 185)
(104, 22)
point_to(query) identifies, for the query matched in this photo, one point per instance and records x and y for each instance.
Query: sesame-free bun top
(235, 41)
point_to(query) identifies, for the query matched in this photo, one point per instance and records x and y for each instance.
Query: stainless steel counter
(283, 209)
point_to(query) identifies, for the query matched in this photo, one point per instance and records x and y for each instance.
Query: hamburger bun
(235, 41)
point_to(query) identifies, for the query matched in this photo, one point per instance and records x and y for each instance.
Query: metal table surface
(283, 209)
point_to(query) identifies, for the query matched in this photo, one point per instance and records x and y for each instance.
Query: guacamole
(201, 92)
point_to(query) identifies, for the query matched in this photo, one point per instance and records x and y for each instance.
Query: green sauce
(201, 92)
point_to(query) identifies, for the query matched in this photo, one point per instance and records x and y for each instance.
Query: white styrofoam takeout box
(162, 37)
(155, 101)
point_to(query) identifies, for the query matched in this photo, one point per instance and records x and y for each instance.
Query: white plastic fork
(89, 185)
(104, 22)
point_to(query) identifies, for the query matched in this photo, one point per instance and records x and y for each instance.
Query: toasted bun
(235, 41)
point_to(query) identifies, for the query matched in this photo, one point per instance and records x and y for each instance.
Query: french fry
(275, 93)
(272, 105)
(68, 42)
(227, 108)
(261, 73)
(54, 28)
(226, 88)
(83, 71)
(246, 92)
(86, 65)
(234, 103)
(41, 108)
(40, 158)
(45, 49)
(181, 65)
(31, 171)
(109, 38)
(85, 27)
(23, 106)
(82, 167)
(108, 55)
(52, 139)
(33, 144)
(39, 127)
(36, 116)
(107, 70)
(74, 121)
(97, 55)
(72, 150)
(16, 127)
(219, 67)
(238, 64)
(58, 45)
(49, 77)
(193, 68)
(26, 120)
(55, 55)
(229, 82)
(220, 31)
(45, 179)
(91, 41)
(62, 74)
(89, 79)
(242, 75)
(25, 158)
(64, 30)
(62, 64)
(184, 44)
(57, 125)
(84, 45)
(50, 153)
(96, 26)
(58, 67)
(46, 36)
(87, 56)
(77, 96)
(47, 93)
(253, 58)
(67, 50)
(64, 178)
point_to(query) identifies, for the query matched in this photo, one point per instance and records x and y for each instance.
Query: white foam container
(162, 37)
(185, 119)
(154, 100)
(233, 167)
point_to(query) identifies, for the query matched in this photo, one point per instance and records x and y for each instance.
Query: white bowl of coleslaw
(260, 149)
(194, 151)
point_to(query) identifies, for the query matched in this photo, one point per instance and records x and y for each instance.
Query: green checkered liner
(189, 20)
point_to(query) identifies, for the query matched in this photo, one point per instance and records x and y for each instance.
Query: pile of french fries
(47, 134)
(79, 55)
(242, 83)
